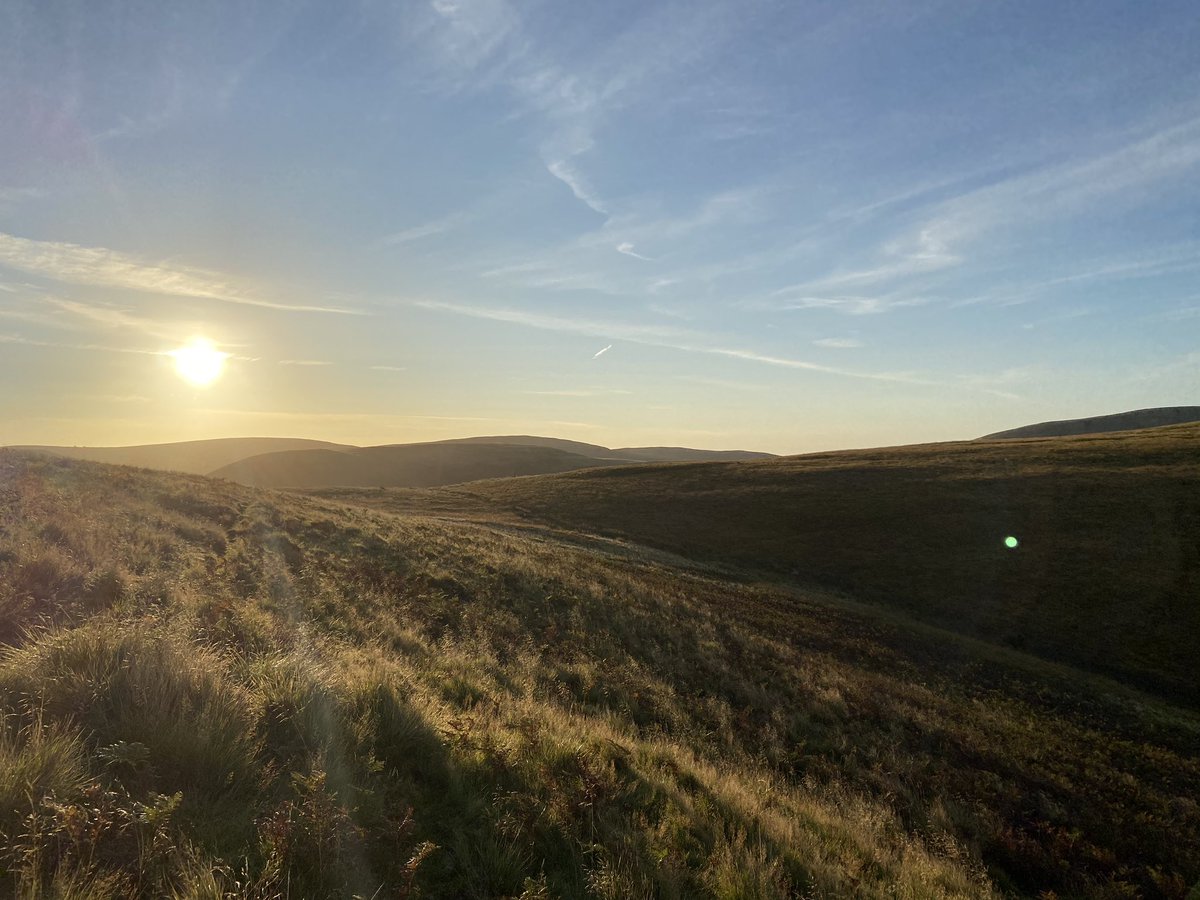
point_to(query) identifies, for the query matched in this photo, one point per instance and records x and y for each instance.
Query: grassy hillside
(1107, 573)
(685, 454)
(1136, 420)
(636, 454)
(195, 457)
(211, 691)
(402, 465)
(409, 465)
(526, 440)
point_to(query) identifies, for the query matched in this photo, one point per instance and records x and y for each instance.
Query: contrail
(600, 353)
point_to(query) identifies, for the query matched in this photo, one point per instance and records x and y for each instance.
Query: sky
(782, 226)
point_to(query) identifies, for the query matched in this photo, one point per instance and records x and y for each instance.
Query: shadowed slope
(633, 454)
(1126, 421)
(1106, 574)
(527, 440)
(685, 454)
(402, 465)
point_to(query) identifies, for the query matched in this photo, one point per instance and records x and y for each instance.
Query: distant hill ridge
(1134, 420)
(403, 465)
(301, 463)
(638, 454)
(193, 457)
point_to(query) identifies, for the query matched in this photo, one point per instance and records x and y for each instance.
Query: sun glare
(199, 362)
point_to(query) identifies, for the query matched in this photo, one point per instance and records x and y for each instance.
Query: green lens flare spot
(1011, 542)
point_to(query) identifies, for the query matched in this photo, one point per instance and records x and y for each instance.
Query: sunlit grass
(1079, 549)
(212, 692)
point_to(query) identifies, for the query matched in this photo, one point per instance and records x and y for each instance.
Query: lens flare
(199, 362)
(1011, 542)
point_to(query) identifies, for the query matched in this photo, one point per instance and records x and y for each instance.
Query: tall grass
(287, 697)
(1104, 577)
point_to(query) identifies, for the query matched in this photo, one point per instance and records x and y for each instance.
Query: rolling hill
(1126, 421)
(208, 690)
(1106, 574)
(302, 463)
(527, 440)
(686, 454)
(194, 457)
(631, 454)
(402, 465)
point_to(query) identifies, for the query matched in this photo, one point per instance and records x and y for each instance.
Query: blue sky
(793, 225)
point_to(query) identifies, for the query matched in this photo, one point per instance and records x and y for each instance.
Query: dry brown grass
(269, 696)
(1106, 576)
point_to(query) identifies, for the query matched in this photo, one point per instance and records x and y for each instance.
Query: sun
(199, 362)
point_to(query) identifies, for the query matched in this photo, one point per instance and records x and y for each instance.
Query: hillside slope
(1127, 421)
(632, 454)
(402, 465)
(686, 454)
(389, 465)
(212, 691)
(1106, 574)
(528, 440)
(194, 457)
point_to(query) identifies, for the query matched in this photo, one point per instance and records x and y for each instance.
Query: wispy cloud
(486, 44)
(655, 336)
(1186, 308)
(943, 232)
(1157, 154)
(601, 351)
(113, 318)
(580, 393)
(851, 305)
(32, 316)
(902, 259)
(626, 331)
(119, 398)
(339, 416)
(64, 345)
(626, 247)
(1069, 315)
(1118, 175)
(1184, 364)
(752, 356)
(419, 232)
(583, 262)
(389, 368)
(838, 343)
(723, 383)
(101, 267)
(660, 284)
(13, 197)
(472, 35)
(390, 424)
(565, 172)
(672, 312)
(304, 362)
(553, 274)
(1002, 384)
(735, 206)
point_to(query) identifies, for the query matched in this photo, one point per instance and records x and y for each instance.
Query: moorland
(817, 676)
